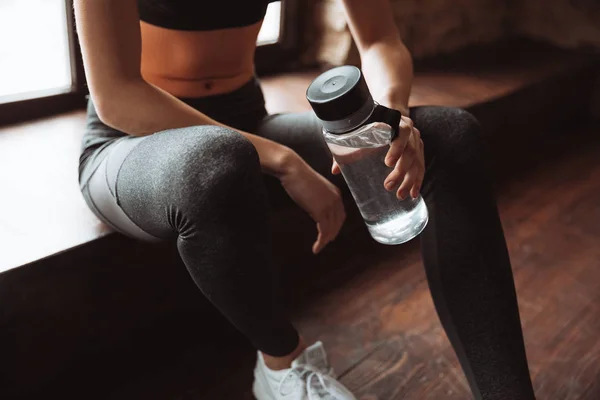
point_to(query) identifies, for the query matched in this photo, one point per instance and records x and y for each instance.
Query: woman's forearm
(139, 108)
(388, 69)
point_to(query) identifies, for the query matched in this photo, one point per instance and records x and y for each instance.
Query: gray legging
(203, 188)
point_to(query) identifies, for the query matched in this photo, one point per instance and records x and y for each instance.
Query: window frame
(269, 59)
(277, 57)
(50, 104)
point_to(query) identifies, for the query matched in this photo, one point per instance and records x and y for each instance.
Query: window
(41, 71)
(269, 32)
(39, 36)
(278, 37)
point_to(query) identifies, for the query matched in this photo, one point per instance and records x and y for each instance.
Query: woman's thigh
(100, 189)
(162, 185)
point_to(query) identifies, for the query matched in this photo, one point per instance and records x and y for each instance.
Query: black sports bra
(198, 15)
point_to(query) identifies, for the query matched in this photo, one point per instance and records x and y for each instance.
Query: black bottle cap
(338, 93)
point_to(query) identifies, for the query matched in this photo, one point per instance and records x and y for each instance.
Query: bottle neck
(351, 122)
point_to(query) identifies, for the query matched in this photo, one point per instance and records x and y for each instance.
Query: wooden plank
(402, 368)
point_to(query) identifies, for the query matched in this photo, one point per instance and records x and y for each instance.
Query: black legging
(203, 187)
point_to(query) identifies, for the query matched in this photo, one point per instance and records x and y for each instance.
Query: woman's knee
(224, 189)
(175, 179)
(209, 153)
(451, 135)
(221, 149)
(204, 164)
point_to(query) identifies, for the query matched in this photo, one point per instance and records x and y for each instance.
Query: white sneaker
(310, 378)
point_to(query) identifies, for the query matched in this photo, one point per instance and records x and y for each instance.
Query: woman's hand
(407, 157)
(320, 198)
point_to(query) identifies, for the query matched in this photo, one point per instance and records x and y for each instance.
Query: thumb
(335, 168)
(319, 243)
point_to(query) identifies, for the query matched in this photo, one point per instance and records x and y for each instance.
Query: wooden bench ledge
(43, 213)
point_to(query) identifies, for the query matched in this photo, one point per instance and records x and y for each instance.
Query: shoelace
(314, 380)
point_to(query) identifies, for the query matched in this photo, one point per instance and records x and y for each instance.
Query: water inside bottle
(389, 220)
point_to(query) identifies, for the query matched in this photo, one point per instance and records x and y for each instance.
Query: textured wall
(427, 26)
(437, 26)
(568, 23)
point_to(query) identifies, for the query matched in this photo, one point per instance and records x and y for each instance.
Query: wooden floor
(380, 327)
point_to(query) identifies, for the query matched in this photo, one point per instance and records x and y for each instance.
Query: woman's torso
(194, 50)
(197, 64)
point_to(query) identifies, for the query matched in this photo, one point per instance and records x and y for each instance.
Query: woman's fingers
(339, 217)
(335, 168)
(408, 173)
(325, 228)
(320, 242)
(335, 218)
(402, 167)
(410, 179)
(399, 144)
(416, 189)
(329, 227)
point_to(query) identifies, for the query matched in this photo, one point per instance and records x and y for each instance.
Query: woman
(177, 143)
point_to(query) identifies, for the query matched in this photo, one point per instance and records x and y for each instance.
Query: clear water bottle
(358, 132)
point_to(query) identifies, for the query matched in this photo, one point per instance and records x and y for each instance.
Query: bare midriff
(198, 63)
